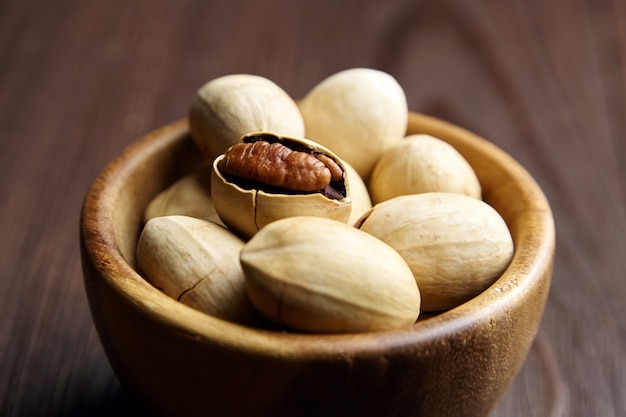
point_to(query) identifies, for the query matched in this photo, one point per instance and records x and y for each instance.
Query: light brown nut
(197, 263)
(320, 275)
(419, 164)
(456, 245)
(357, 113)
(230, 106)
(246, 205)
(188, 196)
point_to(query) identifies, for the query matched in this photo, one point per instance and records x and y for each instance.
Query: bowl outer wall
(183, 362)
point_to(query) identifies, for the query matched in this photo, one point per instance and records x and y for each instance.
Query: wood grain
(79, 80)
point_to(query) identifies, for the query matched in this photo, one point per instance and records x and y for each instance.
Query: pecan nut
(277, 165)
(267, 160)
(269, 177)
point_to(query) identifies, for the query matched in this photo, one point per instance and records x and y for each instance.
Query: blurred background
(80, 80)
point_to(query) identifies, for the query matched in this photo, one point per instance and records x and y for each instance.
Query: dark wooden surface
(79, 80)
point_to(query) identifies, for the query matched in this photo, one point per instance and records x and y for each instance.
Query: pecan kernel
(276, 165)
(336, 173)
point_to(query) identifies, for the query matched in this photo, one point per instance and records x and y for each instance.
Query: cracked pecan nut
(268, 177)
(196, 262)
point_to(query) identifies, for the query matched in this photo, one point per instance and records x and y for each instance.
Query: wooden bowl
(182, 362)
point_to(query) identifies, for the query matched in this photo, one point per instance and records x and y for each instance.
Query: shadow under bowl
(182, 362)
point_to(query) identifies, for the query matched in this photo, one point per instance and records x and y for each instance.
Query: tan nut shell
(228, 107)
(419, 164)
(319, 275)
(189, 196)
(357, 113)
(359, 194)
(246, 211)
(196, 262)
(456, 245)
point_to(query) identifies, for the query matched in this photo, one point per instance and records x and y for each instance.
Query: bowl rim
(533, 255)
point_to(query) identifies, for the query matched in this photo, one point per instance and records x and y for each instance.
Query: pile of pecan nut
(321, 215)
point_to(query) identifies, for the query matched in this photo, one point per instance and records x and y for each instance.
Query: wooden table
(79, 80)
